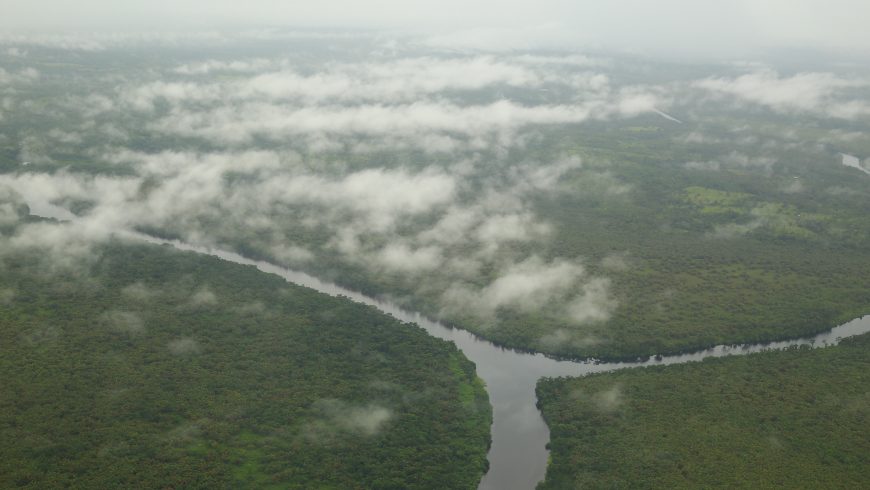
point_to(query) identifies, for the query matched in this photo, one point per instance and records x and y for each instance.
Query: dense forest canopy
(140, 366)
(573, 204)
(581, 204)
(791, 419)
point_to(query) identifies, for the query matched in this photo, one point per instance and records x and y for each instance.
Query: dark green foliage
(791, 419)
(739, 225)
(152, 368)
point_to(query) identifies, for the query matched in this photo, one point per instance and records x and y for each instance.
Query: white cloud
(595, 304)
(500, 228)
(734, 159)
(400, 257)
(26, 75)
(379, 195)
(240, 124)
(534, 284)
(530, 283)
(403, 79)
(8, 213)
(241, 66)
(804, 92)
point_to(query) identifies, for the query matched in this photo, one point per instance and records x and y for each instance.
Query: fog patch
(16, 52)
(561, 338)
(855, 162)
(144, 97)
(397, 80)
(538, 177)
(125, 322)
(618, 262)
(532, 285)
(13, 207)
(734, 230)
(253, 308)
(138, 291)
(185, 432)
(794, 187)
(243, 66)
(707, 165)
(803, 92)
(291, 254)
(334, 417)
(400, 257)
(734, 159)
(23, 76)
(696, 137)
(555, 339)
(595, 304)
(184, 346)
(240, 124)
(519, 227)
(380, 196)
(9, 214)
(65, 246)
(610, 400)
(202, 298)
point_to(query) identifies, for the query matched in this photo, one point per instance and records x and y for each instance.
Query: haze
(737, 28)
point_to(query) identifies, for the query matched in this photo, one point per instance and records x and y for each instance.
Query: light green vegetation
(138, 366)
(790, 419)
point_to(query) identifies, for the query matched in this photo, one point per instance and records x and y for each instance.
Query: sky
(732, 27)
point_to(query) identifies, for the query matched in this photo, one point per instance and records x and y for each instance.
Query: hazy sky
(724, 26)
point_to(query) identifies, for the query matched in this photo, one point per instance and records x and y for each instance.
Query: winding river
(518, 455)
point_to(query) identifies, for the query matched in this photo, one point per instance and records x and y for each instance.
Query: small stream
(518, 455)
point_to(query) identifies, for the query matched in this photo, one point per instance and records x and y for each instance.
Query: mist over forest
(555, 179)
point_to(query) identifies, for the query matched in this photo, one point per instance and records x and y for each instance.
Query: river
(518, 455)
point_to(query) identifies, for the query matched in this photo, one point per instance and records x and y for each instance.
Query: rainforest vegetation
(581, 206)
(631, 234)
(789, 419)
(137, 366)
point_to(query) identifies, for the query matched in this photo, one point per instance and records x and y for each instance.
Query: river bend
(518, 455)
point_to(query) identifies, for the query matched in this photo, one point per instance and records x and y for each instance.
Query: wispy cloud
(821, 93)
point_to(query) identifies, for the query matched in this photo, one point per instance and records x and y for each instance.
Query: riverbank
(518, 453)
(782, 419)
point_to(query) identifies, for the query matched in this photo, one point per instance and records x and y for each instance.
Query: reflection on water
(518, 455)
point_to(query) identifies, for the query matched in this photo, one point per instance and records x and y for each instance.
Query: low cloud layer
(804, 92)
(534, 285)
(416, 173)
